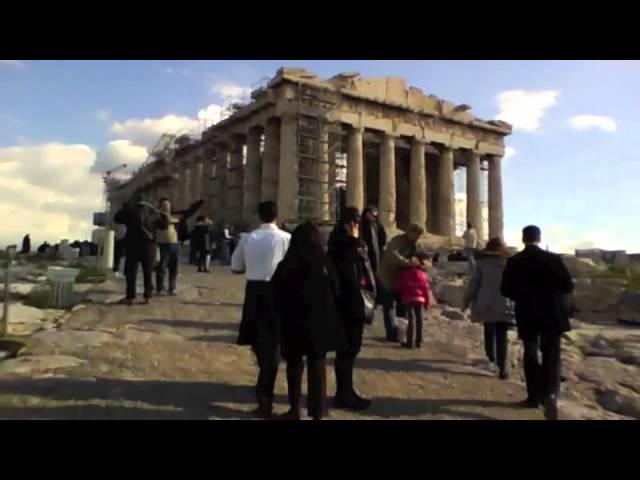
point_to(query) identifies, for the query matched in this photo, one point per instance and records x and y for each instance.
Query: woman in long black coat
(349, 255)
(305, 289)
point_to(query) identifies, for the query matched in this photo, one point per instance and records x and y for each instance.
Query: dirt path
(177, 359)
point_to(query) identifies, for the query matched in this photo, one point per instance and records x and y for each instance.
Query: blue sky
(575, 178)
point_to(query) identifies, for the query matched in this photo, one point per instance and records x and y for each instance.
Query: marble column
(156, 192)
(235, 184)
(183, 195)
(206, 183)
(252, 177)
(288, 184)
(270, 161)
(195, 183)
(474, 207)
(495, 197)
(220, 184)
(324, 213)
(387, 193)
(445, 193)
(418, 185)
(355, 169)
(432, 193)
(174, 189)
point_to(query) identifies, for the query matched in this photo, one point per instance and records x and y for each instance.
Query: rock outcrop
(629, 308)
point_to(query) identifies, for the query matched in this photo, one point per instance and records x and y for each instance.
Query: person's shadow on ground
(104, 398)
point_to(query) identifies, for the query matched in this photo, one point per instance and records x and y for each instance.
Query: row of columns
(445, 199)
(232, 189)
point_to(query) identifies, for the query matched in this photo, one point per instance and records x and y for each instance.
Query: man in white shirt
(470, 237)
(257, 256)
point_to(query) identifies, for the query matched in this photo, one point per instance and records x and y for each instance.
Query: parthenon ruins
(314, 145)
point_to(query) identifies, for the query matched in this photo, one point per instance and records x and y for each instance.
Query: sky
(571, 164)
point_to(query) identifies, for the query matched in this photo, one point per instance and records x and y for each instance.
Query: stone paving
(177, 359)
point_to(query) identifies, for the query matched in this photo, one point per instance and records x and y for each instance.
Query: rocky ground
(177, 359)
(601, 356)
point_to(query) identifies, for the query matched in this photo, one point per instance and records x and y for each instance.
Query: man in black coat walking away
(201, 242)
(139, 244)
(540, 284)
(257, 256)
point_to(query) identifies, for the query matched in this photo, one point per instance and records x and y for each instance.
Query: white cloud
(508, 153)
(583, 122)
(146, 132)
(524, 109)
(169, 71)
(210, 115)
(49, 191)
(118, 152)
(231, 91)
(103, 115)
(13, 63)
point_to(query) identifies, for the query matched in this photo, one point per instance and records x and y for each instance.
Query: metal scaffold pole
(317, 170)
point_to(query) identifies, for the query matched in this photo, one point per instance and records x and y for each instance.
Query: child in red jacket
(413, 287)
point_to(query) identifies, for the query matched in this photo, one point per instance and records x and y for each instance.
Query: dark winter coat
(349, 255)
(309, 319)
(375, 237)
(201, 238)
(139, 225)
(539, 283)
(182, 227)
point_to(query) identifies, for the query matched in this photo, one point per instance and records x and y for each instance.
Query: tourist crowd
(339, 281)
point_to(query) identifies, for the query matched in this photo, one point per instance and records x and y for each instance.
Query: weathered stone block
(597, 296)
(581, 267)
(450, 292)
(452, 314)
(620, 400)
(629, 307)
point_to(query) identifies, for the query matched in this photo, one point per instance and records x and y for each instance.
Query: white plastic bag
(401, 325)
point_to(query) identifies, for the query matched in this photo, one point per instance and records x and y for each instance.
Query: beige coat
(397, 255)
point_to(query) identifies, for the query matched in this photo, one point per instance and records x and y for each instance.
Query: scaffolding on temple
(318, 140)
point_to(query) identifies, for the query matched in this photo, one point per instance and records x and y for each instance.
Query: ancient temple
(314, 145)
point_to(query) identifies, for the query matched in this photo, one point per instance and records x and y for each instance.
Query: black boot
(346, 397)
(551, 408)
(264, 410)
(317, 389)
(294, 387)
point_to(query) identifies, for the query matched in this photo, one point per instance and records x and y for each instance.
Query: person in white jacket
(470, 237)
